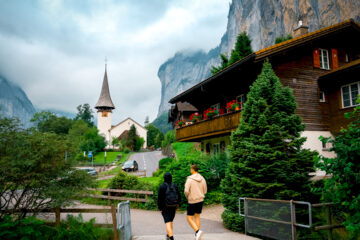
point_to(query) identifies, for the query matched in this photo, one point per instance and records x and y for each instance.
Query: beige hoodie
(195, 188)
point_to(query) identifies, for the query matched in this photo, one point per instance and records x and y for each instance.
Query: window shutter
(334, 58)
(316, 56)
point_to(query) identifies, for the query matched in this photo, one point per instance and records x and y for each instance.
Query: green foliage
(343, 187)
(161, 122)
(186, 150)
(267, 160)
(126, 181)
(85, 113)
(39, 164)
(168, 139)
(139, 143)
(158, 140)
(92, 141)
(26, 228)
(283, 38)
(241, 50)
(152, 134)
(46, 121)
(115, 142)
(131, 138)
(233, 221)
(127, 150)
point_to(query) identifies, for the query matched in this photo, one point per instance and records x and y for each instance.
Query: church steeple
(105, 102)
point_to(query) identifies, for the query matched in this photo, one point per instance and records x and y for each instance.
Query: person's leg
(192, 223)
(197, 220)
(169, 229)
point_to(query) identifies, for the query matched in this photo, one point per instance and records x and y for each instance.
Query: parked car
(130, 166)
(89, 170)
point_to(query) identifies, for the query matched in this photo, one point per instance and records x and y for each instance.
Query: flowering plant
(233, 105)
(179, 123)
(210, 112)
(195, 117)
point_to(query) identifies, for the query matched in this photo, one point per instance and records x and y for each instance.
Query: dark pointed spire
(105, 101)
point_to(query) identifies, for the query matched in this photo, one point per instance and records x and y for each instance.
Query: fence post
(57, 216)
(109, 202)
(328, 222)
(293, 219)
(113, 214)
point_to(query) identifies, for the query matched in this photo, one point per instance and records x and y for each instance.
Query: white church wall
(104, 124)
(125, 125)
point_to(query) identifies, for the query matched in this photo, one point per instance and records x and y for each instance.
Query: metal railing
(272, 218)
(124, 220)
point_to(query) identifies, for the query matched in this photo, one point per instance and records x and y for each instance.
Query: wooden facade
(300, 64)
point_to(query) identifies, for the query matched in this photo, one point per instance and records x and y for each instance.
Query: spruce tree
(132, 138)
(241, 50)
(266, 156)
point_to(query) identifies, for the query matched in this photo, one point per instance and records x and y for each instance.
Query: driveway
(148, 161)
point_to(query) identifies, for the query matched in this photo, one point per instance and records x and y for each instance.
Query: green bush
(126, 150)
(26, 228)
(125, 181)
(233, 221)
(163, 163)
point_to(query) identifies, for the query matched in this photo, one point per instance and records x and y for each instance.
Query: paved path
(148, 161)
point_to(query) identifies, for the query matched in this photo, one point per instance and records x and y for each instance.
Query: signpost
(90, 155)
(105, 159)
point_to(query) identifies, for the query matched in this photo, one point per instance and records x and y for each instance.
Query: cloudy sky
(55, 49)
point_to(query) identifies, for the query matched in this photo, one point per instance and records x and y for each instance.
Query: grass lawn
(110, 157)
(185, 150)
(152, 180)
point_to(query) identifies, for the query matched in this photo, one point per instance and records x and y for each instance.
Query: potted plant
(195, 117)
(233, 106)
(180, 123)
(211, 112)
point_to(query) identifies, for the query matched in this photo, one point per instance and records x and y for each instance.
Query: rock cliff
(15, 103)
(263, 20)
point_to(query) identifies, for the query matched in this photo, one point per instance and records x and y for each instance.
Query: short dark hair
(195, 167)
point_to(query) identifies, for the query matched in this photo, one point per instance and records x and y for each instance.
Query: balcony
(219, 125)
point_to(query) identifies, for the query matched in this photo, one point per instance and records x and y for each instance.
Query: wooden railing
(211, 127)
(109, 197)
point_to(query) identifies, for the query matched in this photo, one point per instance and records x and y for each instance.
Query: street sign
(90, 154)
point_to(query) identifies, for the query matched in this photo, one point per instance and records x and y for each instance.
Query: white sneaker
(199, 235)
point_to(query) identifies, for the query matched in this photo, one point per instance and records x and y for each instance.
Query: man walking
(195, 190)
(168, 200)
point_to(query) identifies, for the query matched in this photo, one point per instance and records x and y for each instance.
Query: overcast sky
(55, 49)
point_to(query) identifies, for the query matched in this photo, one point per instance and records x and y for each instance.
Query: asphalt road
(148, 161)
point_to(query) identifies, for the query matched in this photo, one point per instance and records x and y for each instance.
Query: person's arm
(161, 198)
(205, 186)
(187, 188)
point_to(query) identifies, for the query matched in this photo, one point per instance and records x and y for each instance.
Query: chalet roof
(105, 99)
(346, 67)
(274, 50)
(186, 107)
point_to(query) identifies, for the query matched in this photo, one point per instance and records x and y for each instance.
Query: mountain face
(263, 20)
(15, 103)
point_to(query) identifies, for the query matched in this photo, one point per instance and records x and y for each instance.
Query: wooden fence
(109, 197)
(329, 225)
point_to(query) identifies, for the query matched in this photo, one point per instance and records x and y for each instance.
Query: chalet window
(216, 148)
(324, 59)
(322, 96)
(217, 106)
(241, 99)
(349, 94)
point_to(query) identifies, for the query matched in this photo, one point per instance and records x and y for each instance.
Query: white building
(104, 108)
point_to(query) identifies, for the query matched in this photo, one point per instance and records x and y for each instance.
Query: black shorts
(168, 214)
(193, 208)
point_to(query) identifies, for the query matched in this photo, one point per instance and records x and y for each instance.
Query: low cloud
(55, 49)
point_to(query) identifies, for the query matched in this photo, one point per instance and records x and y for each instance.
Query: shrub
(163, 163)
(126, 150)
(343, 188)
(26, 228)
(233, 221)
(125, 181)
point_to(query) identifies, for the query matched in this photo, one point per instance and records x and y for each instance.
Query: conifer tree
(266, 156)
(241, 50)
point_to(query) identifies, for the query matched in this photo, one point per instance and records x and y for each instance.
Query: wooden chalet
(322, 68)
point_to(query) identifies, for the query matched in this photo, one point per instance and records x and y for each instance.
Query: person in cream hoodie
(195, 190)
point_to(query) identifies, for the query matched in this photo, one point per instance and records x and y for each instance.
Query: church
(104, 107)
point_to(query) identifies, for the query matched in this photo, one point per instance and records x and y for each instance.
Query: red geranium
(195, 117)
